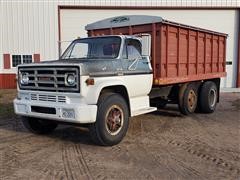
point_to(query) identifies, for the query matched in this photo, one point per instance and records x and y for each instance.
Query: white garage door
(73, 23)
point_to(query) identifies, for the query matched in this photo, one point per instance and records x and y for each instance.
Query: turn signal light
(90, 81)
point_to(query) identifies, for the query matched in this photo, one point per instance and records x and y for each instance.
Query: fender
(92, 92)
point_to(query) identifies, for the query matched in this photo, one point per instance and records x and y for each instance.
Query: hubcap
(192, 97)
(212, 97)
(114, 120)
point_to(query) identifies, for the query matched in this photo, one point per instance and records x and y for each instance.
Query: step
(143, 111)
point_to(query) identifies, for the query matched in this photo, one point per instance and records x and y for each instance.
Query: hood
(88, 66)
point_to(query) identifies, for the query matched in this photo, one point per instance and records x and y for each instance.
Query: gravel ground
(159, 145)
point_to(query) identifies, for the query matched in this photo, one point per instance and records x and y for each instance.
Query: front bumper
(83, 113)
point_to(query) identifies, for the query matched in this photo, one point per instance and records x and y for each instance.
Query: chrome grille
(49, 78)
(48, 98)
(34, 97)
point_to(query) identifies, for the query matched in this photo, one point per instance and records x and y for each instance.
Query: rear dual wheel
(203, 99)
(188, 98)
(208, 97)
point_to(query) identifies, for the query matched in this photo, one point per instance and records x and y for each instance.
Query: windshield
(98, 48)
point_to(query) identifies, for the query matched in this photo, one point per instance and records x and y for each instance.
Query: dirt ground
(159, 145)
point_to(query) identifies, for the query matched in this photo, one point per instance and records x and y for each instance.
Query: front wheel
(39, 126)
(112, 120)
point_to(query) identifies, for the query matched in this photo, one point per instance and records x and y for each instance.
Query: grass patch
(7, 96)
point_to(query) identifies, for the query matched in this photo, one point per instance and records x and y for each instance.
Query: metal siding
(7, 81)
(153, 3)
(29, 27)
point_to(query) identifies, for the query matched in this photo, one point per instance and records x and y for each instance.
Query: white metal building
(37, 31)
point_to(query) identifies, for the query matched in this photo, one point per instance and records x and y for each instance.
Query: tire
(188, 97)
(112, 120)
(39, 126)
(208, 97)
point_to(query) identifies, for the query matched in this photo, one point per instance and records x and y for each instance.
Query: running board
(143, 111)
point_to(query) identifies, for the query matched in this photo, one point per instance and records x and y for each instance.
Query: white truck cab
(99, 81)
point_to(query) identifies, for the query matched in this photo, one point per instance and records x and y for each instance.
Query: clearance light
(90, 81)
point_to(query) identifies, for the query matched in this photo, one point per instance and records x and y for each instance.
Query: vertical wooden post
(218, 57)
(224, 56)
(178, 51)
(167, 47)
(212, 52)
(160, 52)
(197, 60)
(188, 55)
(205, 52)
(154, 49)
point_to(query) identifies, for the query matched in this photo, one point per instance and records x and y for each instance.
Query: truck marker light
(90, 81)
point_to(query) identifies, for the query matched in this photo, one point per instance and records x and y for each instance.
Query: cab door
(136, 68)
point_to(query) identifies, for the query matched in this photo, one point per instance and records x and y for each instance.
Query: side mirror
(146, 44)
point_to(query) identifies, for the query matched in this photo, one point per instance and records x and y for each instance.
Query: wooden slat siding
(8, 81)
(36, 58)
(6, 61)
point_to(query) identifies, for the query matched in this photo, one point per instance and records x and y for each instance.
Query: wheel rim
(192, 99)
(212, 98)
(114, 120)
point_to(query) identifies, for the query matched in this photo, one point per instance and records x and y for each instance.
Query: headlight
(70, 79)
(24, 78)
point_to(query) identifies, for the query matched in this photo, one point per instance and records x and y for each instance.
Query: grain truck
(127, 66)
